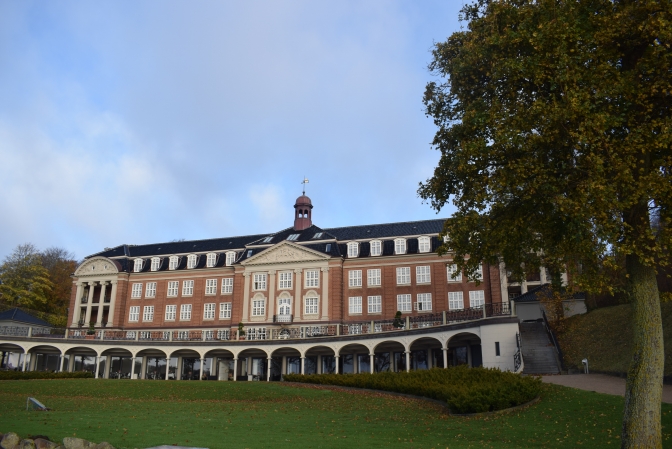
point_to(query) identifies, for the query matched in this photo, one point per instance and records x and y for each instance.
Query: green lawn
(138, 414)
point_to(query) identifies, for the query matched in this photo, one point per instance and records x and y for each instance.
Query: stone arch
(355, 357)
(425, 353)
(252, 364)
(221, 363)
(320, 359)
(464, 348)
(118, 363)
(96, 266)
(389, 355)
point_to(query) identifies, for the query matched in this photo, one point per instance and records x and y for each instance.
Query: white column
(108, 366)
(297, 294)
(271, 294)
(303, 365)
(167, 367)
(202, 369)
(101, 302)
(430, 361)
(371, 361)
(319, 364)
(97, 366)
(60, 366)
(25, 357)
(113, 300)
(77, 312)
(283, 368)
(235, 369)
(71, 363)
(143, 367)
(268, 377)
(336, 359)
(408, 360)
(89, 303)
(246, 297)
(178, 375)
(325, 293)
(445, 357)
(133, 367)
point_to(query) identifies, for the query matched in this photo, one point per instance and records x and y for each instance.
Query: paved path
(600, 383)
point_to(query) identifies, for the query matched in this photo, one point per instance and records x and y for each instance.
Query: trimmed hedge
(464, 389)
(21, 375)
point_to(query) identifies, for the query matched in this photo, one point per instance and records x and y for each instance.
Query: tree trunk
(644, 387)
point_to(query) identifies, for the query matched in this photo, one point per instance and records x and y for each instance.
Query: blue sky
(146, 121)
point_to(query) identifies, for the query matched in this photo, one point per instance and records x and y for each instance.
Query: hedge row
(21, 375)
(464, 389)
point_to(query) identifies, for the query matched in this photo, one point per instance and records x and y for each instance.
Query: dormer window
(172, 262)
(399, 246)
(327, 249)
(231, 257)
(376, 247)
(137, 265)
(191, 261)
(424, 245)
(353, 249)
(267, 240)
(156, 262)
(318, 235)
(293, 237)
(211, 260)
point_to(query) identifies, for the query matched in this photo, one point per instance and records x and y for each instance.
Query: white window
(355, 278)
(424, 301)
(479, 272)
(209, 311)
(399, 246)
(150, 290)
(134, 313)
(476, 298)
(424, 245)
(355, 304)
(230, 258)
(312, 278)
(353, 249)
(255, 333)
(155, 264)
(293, 237)
(455, 301)
(267, 239)
(310, 306)
(187, 288)
(284, 280)
(403, 275)
(172, 288)
(422, 275)
(170, 313)
(373, 277)
(224, 310)
(376, 248)
(148, 313)
(211, 260)
(259, 281)
(259, 307)
(318, 235)
(227, 285)
(375, 304)
(137, 265)
(136, 291)
(223, 334)
(191, 261)
(210, 286)
(185, 312)
(404, 303)
(172, 262)
(453, 274)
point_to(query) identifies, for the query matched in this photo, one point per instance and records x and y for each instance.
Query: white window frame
(455, 300)
(227, 286)
(403, 275)
(224, 310)
(148, 314)
(285, 280)
(191, 261)
(373, 277)
(230, 258)
(374, 304)
(404, 303)
(188, 288)
(259, 281)
(293, 237)
(355, 278)
(134, 314)
(173, 262)
(399, 246)
(423, 274)
(424, 244)
(156, 263)
(209, 311)
(185, 312)
(173, 289)
(478, 274)
(137, 265)
(258, 307)
(211, 286)
(476, 298)
(136, 290)
(376, 247)
(211, 260)
(150, 290)
(310, 305)
(424, 302)
(452, 269)
(171, 312)
(353, 250)
(355, 305)
(312, 278)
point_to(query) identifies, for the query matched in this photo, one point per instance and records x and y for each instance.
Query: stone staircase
(538, 351)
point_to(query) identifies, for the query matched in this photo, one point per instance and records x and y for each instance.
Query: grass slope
(604, 336)
(216, 415)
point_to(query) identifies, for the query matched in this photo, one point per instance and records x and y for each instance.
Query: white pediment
(96, 266)
(285, 252)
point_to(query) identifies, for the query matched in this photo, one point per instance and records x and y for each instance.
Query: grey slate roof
(20, 316)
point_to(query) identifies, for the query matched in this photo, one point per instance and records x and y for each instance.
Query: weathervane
(304, 182)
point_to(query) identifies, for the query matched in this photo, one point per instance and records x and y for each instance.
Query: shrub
(21, 375)
(463, 389)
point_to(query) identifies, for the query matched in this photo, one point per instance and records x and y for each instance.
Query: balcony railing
(283, 318)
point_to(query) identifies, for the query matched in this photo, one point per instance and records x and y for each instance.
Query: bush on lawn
(21, 375)
(464, 389)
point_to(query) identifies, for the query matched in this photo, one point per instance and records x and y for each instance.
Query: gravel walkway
(600, 383)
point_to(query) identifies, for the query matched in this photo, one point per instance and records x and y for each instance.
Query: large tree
(24, 281)
(60, 264)
(555, 135)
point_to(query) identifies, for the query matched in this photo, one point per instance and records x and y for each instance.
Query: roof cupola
(303, 210)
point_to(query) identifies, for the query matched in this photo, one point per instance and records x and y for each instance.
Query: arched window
(424, 245)
(173, 261)
(230, 258)
(353, 249)
(156, 263)
(211, 260)
(137, 265)
(399, 246)
(376, 247)
(191, 261)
